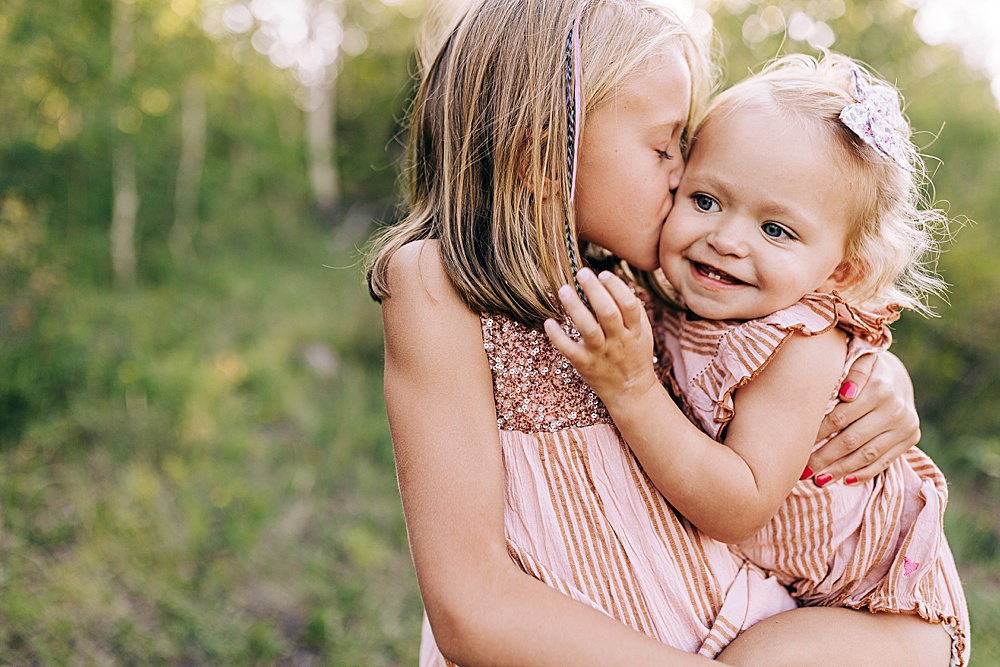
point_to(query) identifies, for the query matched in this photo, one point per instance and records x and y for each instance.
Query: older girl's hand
(876, 419)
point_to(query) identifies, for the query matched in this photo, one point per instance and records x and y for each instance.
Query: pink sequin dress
(878, 545)
(582, 517)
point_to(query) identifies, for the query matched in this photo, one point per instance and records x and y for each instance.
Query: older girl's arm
(483, 610)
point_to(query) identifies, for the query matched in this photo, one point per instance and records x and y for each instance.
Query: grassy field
(211, 482)
(201, 473)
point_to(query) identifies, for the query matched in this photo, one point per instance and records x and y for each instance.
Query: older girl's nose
(677, 170)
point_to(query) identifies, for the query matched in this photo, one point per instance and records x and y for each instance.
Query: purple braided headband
(574, 131)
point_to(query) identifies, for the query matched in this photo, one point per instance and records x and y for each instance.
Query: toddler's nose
(726, 239)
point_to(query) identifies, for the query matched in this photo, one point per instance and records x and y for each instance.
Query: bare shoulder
(815, 358)
(831, 343)
(416, 271)
(425, 315)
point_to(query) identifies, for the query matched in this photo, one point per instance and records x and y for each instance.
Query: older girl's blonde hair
(488, 134)
(894, 239)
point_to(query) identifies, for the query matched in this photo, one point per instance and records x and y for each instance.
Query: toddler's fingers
(561, 340)
(602, 303)
(632, 311)
(590, 329)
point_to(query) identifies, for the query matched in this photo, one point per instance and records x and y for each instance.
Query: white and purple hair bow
(875, 117)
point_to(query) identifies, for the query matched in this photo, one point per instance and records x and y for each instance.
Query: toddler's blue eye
(706, 204)
(773, 229)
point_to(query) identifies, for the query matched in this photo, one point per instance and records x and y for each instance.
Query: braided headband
(875, 118)
(573, 132)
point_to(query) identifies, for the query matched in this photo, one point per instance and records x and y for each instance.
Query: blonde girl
(797, 234)
(536, 537)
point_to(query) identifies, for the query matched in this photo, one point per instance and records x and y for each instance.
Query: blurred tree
(312, 40)
(184, 65)
(126, 196)
(305, 38)
(194, 128)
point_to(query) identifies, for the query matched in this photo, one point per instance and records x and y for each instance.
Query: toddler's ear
(845, 274)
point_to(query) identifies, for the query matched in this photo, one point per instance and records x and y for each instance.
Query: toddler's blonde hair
(894, 239)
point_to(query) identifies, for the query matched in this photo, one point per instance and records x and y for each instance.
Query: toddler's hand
(615, 352)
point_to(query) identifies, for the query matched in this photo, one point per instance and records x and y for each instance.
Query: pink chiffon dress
(581, 516)
(878, 545)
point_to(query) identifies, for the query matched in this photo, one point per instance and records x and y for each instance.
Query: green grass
(199, 472)
(208, 478)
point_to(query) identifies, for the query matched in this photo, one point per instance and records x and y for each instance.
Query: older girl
(536, 537)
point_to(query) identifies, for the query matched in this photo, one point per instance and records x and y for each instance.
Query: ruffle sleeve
(713, 359)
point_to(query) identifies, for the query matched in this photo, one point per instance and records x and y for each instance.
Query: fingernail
(823, 478)
(806, 474)
(850, 479)
(584, 274)
(605, 275)
(848, 390)
(566, 292)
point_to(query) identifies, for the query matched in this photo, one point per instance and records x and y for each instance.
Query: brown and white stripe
(878, 545)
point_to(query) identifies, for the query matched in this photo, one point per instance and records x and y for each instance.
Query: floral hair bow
(875, 117)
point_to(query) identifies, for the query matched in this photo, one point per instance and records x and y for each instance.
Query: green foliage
(214, 483)
(197, 470)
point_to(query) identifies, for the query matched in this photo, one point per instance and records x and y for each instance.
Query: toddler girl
(795, 237)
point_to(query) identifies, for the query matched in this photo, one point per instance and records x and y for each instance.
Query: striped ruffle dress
(879, 545)
(582, 517)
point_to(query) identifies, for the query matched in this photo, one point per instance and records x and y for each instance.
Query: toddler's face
(761, 218)
(624, 175)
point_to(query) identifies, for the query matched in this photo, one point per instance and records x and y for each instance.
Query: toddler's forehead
(745, 97)
(756, 101)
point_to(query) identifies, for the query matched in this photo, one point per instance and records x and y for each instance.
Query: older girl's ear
(536, 183)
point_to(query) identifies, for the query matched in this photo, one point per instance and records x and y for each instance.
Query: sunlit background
(195, 467)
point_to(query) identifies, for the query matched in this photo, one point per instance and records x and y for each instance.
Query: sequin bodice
(535, 387)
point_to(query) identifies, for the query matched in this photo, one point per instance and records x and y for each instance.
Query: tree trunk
(320, 140)
(126, 205)
(194, 130)
(126, 195)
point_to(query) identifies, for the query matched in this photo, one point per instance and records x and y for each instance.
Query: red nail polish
(806, 474)
(848, 390)
(823, 478)
(850, 479)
